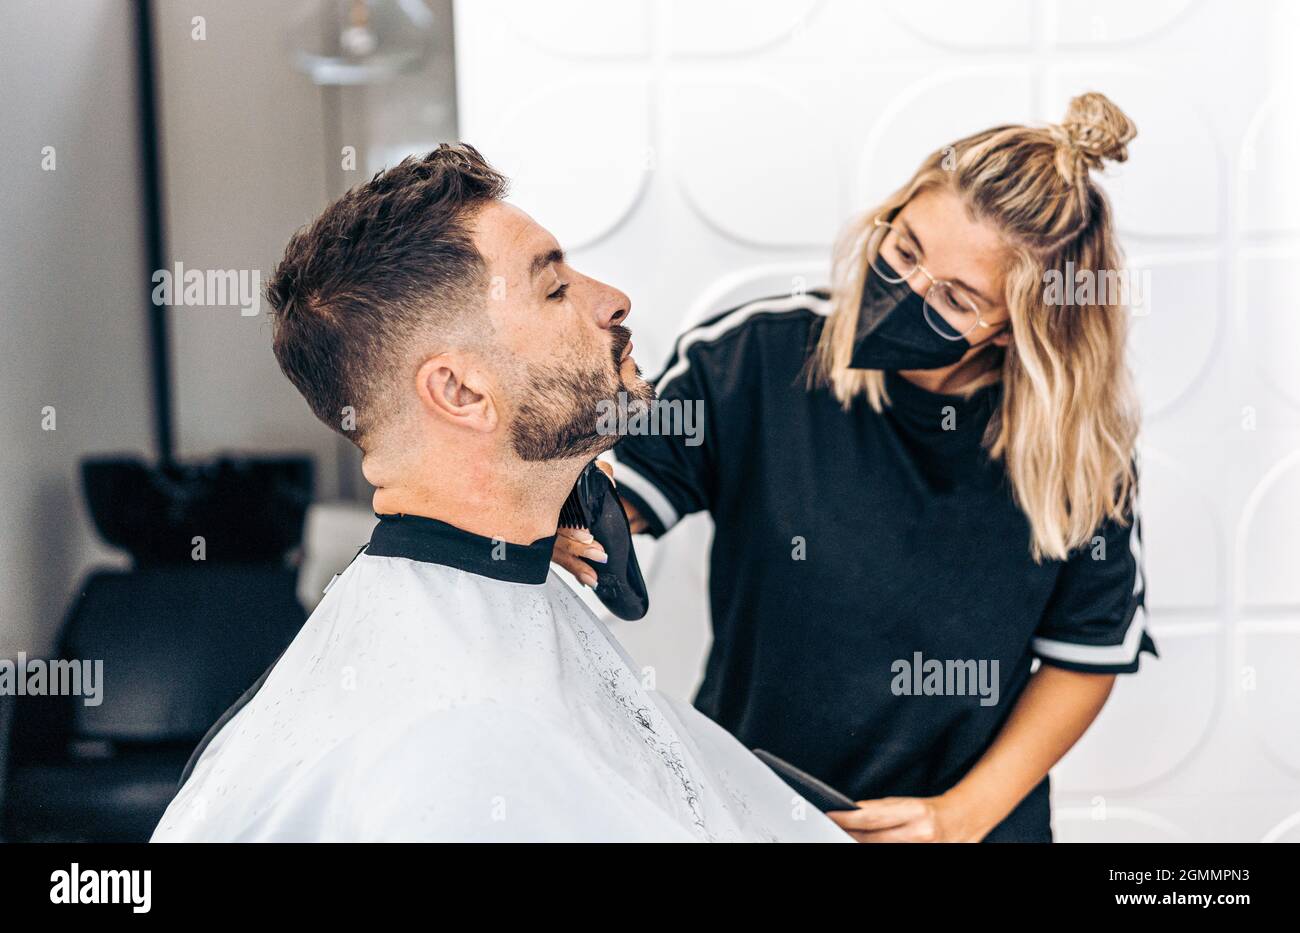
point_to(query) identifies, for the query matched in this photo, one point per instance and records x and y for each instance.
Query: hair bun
(1096, 129)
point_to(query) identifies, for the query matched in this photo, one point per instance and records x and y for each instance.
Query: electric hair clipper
(594, 505)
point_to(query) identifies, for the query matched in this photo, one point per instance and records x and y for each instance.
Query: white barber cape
(437, 693)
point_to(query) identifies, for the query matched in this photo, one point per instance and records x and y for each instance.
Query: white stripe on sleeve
(729, 322)
(624, 475)
(1120, 654)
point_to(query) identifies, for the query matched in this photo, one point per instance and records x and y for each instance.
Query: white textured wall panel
(698, 153)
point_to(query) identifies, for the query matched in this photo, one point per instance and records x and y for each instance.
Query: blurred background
(696, 154)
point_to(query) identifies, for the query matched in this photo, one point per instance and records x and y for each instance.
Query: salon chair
(180, 640)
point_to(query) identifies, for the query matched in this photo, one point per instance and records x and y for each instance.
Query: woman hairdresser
(921, 482)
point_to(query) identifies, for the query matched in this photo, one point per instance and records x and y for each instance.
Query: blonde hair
(1067, 423)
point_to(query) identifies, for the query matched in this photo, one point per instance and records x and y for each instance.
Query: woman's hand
(573, 544)
(907, 819)
(1054, 711)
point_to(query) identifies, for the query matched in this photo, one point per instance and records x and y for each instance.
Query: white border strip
(731, 321)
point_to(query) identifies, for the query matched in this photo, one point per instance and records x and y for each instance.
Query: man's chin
(612, 416)
(575, 441)
(537, 436)
(636, 389)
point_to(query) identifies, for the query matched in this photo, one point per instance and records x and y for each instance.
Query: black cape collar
(427, 539)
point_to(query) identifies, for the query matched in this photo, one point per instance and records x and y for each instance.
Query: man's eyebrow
(542, 260)
(911, 235)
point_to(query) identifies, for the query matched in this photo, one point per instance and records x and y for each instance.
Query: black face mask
(893, 333)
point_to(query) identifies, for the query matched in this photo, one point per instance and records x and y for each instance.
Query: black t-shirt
(854, 550)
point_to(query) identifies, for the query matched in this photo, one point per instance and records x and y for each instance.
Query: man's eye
(559, 293)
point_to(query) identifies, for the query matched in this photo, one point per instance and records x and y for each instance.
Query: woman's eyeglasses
(949, 309)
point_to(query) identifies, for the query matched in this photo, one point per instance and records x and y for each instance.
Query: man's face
(562, 339)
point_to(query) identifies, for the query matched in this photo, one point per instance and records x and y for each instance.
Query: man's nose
(614, 307)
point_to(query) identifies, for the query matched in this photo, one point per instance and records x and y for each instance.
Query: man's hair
(389, 262)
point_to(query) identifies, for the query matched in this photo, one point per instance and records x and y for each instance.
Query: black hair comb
(593, 504)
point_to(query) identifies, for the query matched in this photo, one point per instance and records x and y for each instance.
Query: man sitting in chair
(450, 686)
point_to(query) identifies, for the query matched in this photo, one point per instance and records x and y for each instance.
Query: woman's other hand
(906, 819)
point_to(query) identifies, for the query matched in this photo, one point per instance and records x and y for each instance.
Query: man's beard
(557, 418)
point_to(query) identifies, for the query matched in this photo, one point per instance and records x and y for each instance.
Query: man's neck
(518, 504)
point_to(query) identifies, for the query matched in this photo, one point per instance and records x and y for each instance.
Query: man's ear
(453, 390)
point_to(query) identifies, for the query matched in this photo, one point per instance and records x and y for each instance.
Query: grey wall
(244, 166)
(250, 151)
(72, 313)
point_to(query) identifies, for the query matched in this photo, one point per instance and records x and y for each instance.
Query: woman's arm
(1052, 714)
(638, 524)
